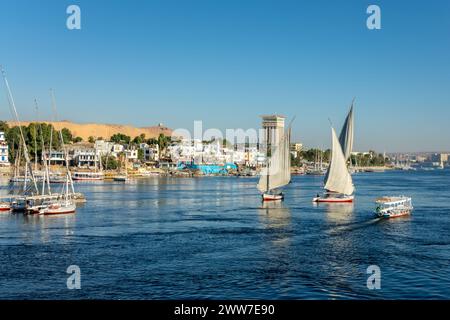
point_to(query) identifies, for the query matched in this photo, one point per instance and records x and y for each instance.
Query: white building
(151, 153)
(86, 157)
(4, 154)
(56, 157)
(131, 154)
(212, 153)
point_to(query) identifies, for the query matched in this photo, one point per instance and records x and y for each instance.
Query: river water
(211, 238)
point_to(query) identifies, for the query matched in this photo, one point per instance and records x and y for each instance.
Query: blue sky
(227, 62)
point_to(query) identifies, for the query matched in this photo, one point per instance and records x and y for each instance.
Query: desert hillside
(85, 130)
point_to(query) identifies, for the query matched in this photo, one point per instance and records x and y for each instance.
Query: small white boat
(392, 207)
(62, 205)
(59, 207)
(5, 206)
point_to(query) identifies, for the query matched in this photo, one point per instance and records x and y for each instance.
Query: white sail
(277, 173)
(338, 179)
(346, 136)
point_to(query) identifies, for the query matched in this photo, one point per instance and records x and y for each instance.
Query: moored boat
(87, 176)
(5, 206)
(121, 178)
(59, 207)
(393, 207)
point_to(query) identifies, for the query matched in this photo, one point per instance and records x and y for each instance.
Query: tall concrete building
(273, 126)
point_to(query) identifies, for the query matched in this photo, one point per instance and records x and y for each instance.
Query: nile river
(211, 238)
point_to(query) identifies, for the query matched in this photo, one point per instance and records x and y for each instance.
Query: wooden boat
(122, 175)
(334, 198)
(338, 181)
(277, 172)
(393, 207)
(5, 206)
(59, 207)
(272, 196)
(62, 205)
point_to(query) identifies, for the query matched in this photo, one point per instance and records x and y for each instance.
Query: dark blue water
(183, 238)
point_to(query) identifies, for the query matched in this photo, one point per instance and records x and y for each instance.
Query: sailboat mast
(66, 156)
(16, 117)
(44, 160)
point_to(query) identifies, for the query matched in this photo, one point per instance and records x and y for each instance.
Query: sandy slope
(85, 130)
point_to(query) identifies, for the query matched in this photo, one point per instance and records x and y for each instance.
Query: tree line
(35, 132)
(371, 158)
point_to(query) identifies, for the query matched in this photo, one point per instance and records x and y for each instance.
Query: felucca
(277, 173)
(338, 181)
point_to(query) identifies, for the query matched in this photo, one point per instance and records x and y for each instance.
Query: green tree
(120, 138)
(77, 139)
(140, 155)
(110, 162)
(4, 127)
(91, 139)
(67, 135)
(139, 139)
(163, 142)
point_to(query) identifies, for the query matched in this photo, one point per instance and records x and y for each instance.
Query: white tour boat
(87, 175)
(392, 207)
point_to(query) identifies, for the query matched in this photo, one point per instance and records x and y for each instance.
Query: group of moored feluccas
(34, 198)
(338, 181)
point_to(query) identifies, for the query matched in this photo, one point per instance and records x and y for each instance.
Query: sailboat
(122, 177)
(277, 173)
(338, 181)
(19, 203)
(61, 206)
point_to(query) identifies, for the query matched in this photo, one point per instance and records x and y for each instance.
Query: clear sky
(228, 61)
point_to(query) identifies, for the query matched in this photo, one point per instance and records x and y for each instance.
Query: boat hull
(390, 215)
(55, 212)
(87, 179)
(58, 210)
(272, 197)
(331, 199)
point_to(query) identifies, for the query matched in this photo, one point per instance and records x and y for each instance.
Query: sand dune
(85, 130)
